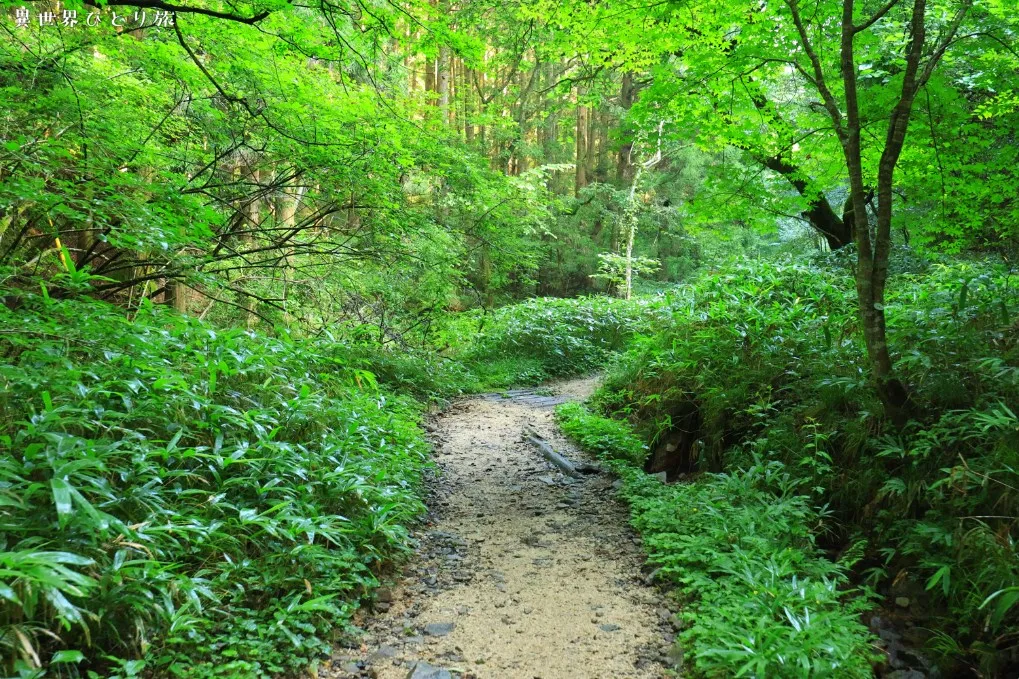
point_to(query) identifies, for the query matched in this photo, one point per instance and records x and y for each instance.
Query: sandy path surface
(524, 574)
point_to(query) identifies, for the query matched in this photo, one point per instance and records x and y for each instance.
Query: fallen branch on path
(575, 469)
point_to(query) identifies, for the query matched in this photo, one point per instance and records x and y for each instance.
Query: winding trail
(524, 573)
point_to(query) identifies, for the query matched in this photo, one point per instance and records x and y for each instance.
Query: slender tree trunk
(626, 92)
(443, 84)
(253, 220)
(485, 274)
(630, 227)
(873, 248)
(468, 97)
(287, 203)
(456, 97)
(601, 173)
(482, 111)
(580, 175)
(408, 63)
(869, 287)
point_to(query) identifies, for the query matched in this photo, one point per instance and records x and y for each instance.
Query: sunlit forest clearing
(422, 339)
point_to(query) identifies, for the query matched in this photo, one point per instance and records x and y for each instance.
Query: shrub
(607, 438)
(783, 379)
(760, 600)
(550, 337)
(181, 500)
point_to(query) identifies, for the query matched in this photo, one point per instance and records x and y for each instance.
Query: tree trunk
(253, 218)
(353, 216)
(485, 274)
(287, 203)
(468, 97)
(409, 66)
(873, 250)
(601, 165)
(580, 176)
(591, 152)
(443, 85)
(482, 110)
(626, 92)
(837, 232)
(176, 295)
(630, 231)
(456, 96)
(429, 75)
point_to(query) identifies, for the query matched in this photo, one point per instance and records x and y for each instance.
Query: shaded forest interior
(246, 246)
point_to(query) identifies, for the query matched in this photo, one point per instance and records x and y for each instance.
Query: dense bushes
(174, 495)
(177, 499)
(767, 358)
(608, 438)
(538, 339)
(760, 600)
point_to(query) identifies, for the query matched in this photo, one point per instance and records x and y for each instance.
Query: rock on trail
(525, 573)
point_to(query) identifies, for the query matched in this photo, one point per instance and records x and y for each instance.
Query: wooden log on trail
(575, 469)
(564, 465)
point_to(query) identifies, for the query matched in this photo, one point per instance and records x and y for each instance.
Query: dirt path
(525, 574)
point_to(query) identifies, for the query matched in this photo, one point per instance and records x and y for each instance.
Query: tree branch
(180, 9)
(819, 80)
(946, 40)
(877, 16)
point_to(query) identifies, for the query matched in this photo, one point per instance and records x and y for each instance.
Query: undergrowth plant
(182, 500)
(542, 338)
(767, 357)
(759, 598)
(607, 438)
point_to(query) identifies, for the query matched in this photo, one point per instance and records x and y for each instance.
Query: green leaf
(61, 499)
(67, 657)
(942, 575)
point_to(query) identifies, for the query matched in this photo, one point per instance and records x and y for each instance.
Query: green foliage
(199, 502)
(783, 379)
(607, 438)
(541, 338)
(185, 494)
(589, 234)
(268, 184)
(760, 600)
(612, 268)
